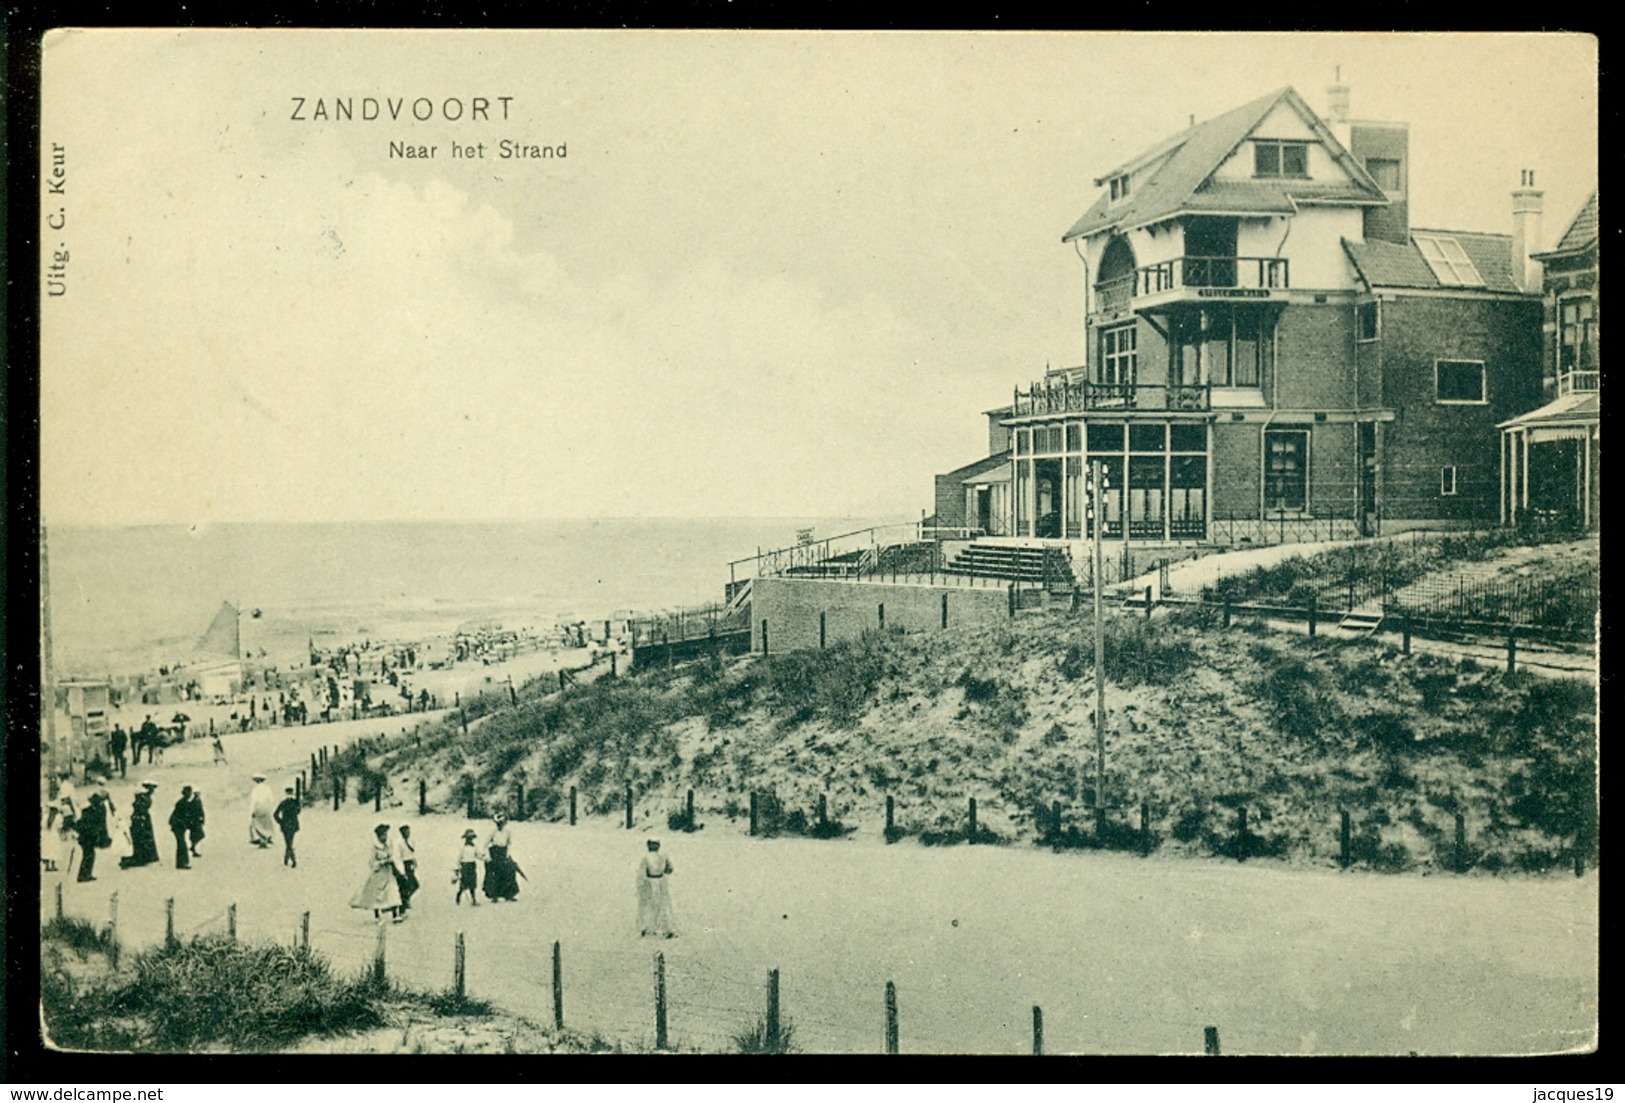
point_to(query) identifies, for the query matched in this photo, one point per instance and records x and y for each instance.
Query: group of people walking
(392, 880)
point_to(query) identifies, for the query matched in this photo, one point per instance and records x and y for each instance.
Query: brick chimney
(1337, 108)
(1527, 205)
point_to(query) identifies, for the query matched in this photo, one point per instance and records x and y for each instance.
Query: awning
(1540, 434)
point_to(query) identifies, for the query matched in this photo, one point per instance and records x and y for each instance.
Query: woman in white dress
(654, 894)
(380, 891)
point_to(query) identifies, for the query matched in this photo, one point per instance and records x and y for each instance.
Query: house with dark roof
(1550, 456)
(1272, 351)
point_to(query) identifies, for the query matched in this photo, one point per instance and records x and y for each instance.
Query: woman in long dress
(654, 894)
(143, 844)
(501, 873)
(261, 806)
(379, 891)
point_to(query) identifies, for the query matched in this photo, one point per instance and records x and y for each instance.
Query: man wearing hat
(181, 823)
(287, 818)
(260, 813)
(92, 827)
(468, 868)
(143, 844)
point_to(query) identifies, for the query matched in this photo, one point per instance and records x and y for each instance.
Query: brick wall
(790, 606)
(1236, 470)
(1314, 362)
(1426, 436)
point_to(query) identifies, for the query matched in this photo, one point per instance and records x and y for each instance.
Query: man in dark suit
(287, 818)
(92, 827)
(180, 823)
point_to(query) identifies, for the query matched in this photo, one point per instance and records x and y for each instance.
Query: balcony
(1192, 278)
(1063, 397)
(1578, 382)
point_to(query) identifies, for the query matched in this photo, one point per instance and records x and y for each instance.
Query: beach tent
(218, 665)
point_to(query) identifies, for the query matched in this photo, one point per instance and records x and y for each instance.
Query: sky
(773, 274)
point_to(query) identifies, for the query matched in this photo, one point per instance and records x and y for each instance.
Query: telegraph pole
(1098, 483)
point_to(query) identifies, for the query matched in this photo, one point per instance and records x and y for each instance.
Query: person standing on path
(261, 806)
(219, 751)
(92, 835)
(654, 894)
(117, 743)
(380, 891)
(407, 861)
(194, 825)
(143, 844)
(287, 818)
(501, 873)
(180, 823)
(150, 738)
(468, 869)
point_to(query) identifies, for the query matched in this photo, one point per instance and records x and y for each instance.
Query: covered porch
(1549, 464)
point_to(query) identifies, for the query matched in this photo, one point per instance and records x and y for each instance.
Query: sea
(126, 600)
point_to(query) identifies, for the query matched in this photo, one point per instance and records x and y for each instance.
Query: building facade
(1550, 457)
(1273, 348)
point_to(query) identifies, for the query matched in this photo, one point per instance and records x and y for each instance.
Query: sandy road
(1124, 955)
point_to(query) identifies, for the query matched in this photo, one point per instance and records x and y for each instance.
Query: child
(467, 873)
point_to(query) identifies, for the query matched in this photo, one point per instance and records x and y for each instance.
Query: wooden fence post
(1461, 843)
(231, 922)
(1038, 1031)
(1148, 603)
(773, 1031)
(423, 797)
(169, 921)
(660, 1000)
(688, 810)
(460, 968)
(945, 610)
(822, 622)
(312, 767)
(891, 1016)
(970, 836)
(764, 637)
(1343, 852)
(1512, 650)
(558, 988)
(572, 806)
(880, 614)
(1241, 831)
(891, 822)
(1405, 637)
(59, 899)
(1314, 609)
(304, 932)
(1210, 1040)
(1145, 827)
(469, 778)
(112, 930)
(338, 789)
(753, 812)
(823, 810)
(378, 797)
(629, 806)
(379, 973)
(518, 800)
(1227, 612)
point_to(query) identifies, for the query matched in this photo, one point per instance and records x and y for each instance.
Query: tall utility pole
(53, 752)
(1098, 482)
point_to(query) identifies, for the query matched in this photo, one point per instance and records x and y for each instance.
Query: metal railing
(1068, 397)
(848, 554)
(1235, 273)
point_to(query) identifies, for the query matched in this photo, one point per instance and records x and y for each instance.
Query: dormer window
(1119, 186)
(1276, 158)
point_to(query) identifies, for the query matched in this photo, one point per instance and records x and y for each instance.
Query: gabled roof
(1181, 181)
(1581, 234)
(1389, 264)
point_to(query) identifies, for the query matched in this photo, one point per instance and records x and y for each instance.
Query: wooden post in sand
(1210, 1040)
(112, 930)
(169, 921)
(304, 933)
(459, 969)
(380, 976)
(970, 835)
(558, 988)
(59, 899)
(660, 1001)
(753, 812)
(891, 810)
(1038, 1031)
(231, 922)
(891, 1017)
(629, 806)
(572, 806)
(773, 1030)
